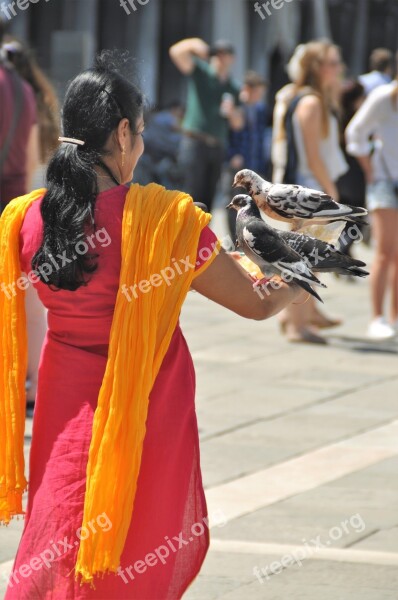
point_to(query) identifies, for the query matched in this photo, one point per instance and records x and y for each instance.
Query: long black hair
(95, 103)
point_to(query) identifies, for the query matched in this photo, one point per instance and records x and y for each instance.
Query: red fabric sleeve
(207, 245)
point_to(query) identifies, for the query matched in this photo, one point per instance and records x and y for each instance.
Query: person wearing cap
(212, 108)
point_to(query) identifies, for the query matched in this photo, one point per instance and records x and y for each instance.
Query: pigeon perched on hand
(289, 250)
(286, 202)
(265, 246)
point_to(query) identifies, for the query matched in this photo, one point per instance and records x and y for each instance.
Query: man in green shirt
(212, 108)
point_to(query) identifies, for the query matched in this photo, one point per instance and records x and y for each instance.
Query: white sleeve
(365, 122)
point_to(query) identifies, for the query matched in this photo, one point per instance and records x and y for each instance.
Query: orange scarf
(158, 226)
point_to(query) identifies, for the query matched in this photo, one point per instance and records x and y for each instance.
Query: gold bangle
(305, 301)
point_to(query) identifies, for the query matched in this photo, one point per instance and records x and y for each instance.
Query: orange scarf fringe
(158, 226)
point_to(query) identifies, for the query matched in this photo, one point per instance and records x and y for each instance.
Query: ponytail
(68, 216)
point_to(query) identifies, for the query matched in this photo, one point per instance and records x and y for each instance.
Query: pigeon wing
(306, 244)
(294, 201)
(297, 202)
(266, 242)
(323, 256)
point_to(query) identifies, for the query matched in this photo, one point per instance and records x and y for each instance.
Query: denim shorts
(381, 194)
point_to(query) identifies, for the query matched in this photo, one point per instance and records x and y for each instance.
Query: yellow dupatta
(13, 361)
(159, 228)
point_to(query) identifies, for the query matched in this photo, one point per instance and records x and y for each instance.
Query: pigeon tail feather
(306, 286)
(356, 272)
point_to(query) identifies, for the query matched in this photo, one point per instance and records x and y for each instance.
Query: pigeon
(286, 202)
(264, 246)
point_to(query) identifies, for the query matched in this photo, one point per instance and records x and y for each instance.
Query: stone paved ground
(299, 451)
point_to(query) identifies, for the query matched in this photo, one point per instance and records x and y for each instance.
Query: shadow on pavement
(363, 344)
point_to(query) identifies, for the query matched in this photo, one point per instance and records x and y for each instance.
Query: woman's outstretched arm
(228, 284)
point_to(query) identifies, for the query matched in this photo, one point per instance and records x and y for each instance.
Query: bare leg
(394, 283)
(319, 319)
(384, 229)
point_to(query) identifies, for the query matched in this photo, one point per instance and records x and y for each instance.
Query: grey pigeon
(286, 202)
(266, 248)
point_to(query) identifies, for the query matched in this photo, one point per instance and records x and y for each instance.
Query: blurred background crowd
(226, 90)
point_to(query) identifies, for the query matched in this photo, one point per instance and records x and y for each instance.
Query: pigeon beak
(235, 184)
(230, 205)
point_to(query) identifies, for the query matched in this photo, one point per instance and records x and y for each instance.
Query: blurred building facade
(67, 33)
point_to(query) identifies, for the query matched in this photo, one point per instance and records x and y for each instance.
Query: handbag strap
(16, 113)
(292, 152)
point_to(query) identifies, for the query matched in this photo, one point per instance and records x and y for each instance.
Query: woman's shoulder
(309, 106)
(310, 99)
(32, 227)
(33, 213)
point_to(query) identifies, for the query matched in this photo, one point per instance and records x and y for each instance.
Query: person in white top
(316, 70)
(372, 137)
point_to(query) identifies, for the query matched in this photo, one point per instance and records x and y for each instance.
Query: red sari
(168, 536)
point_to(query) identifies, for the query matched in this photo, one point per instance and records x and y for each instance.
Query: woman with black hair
(115, 492)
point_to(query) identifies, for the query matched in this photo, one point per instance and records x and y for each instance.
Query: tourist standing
(212, 107)
(381, 70)
(19, 132)
(25, 64)
(247, 147)
(372, 139)
(307, 108)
